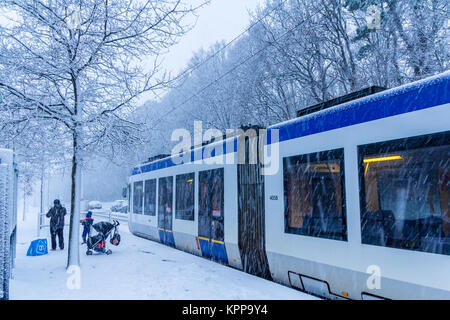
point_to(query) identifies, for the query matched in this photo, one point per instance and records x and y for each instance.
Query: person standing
(87, 223)
(56, 215)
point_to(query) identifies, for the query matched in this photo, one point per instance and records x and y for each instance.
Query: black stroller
(97, 243)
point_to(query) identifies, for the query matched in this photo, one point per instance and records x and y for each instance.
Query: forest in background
(298, 53)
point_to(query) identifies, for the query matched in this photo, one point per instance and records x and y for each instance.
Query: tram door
(165, 207)
(211, 214)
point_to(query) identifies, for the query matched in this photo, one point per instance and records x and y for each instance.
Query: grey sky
(220, 20)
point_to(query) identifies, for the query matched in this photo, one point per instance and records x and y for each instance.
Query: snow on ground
(137, 269)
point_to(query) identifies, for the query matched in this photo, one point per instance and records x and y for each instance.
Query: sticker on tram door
(216, 213)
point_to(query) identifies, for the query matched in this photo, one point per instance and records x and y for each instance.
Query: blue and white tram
(358, 208)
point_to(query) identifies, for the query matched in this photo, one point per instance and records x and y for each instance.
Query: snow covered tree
(83, 64)
(410, 42)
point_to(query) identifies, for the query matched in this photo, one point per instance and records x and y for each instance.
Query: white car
(94, 205)
(120, 206)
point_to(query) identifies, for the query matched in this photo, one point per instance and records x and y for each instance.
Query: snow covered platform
(137, 269)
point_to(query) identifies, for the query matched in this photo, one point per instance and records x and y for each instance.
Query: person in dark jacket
(87, 223)
(56, 215)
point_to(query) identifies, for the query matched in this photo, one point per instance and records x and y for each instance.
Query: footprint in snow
(149, 252)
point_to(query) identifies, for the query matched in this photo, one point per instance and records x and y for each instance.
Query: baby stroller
(97, 243)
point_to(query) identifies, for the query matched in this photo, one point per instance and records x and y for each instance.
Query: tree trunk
(24, 201)
(42, 190)
(74, 230)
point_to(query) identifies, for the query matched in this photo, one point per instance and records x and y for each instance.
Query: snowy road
(137, 269)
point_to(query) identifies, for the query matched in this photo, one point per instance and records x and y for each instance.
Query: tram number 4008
(273, 197)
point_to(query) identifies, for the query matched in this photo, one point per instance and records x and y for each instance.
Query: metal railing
(44, 222)
(110, 215)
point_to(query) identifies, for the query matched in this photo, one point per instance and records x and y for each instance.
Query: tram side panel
(301, 257)
(216, 237)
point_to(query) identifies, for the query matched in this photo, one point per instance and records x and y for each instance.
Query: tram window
(405, 193)
(137, 197)
(314, 196)
(150, 197)
(165, 200)
(185, 186)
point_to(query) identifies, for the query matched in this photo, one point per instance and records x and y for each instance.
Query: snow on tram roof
(342, 115)
(350, 113)
(168, 161)
(405, 88)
